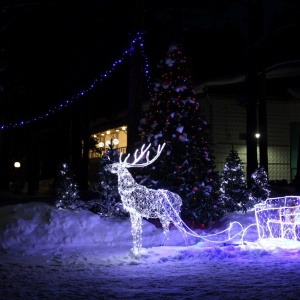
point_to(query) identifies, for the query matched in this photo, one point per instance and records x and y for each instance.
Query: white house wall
(280, 116)
(227, 120)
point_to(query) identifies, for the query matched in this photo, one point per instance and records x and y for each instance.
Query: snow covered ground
(46, 253)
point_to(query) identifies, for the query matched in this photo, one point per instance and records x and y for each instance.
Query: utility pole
(136, 76)
(255, 101)
(297, 177)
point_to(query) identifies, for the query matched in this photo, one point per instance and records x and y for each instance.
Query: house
(221, 100)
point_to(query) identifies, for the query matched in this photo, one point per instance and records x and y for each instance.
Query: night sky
(53, 50)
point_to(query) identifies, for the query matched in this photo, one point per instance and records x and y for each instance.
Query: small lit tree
(66, 193)
(259, 187)
(106, 199)
(233, 191)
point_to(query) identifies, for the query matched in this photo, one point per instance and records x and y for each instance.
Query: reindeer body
(142, 202)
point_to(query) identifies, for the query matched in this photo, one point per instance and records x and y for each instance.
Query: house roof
(282, 80)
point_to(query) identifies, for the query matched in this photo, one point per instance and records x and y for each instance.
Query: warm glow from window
(116, 137)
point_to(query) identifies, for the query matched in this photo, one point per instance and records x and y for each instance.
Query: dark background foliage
(51, 50)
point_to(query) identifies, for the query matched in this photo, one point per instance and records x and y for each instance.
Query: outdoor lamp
(17, 164)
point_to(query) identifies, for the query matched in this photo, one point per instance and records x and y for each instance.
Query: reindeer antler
(137, 157)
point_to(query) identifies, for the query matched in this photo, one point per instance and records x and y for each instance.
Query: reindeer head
(118, 167)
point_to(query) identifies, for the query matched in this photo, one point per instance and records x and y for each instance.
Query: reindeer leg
(136, 230)
(165, 225)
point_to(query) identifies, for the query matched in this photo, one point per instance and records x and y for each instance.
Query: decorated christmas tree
(233, 192)
(186, 166)
(259, 187)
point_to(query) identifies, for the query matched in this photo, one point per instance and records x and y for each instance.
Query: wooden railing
(96, 154)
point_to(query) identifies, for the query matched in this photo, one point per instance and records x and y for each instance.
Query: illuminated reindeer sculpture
(142, 202)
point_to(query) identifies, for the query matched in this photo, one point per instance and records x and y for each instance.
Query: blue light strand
(136, 40)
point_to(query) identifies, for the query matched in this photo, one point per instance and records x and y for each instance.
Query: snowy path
(79, 276)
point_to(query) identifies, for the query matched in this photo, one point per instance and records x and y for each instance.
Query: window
(117, 137)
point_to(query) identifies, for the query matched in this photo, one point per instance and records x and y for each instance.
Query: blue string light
(137, 40)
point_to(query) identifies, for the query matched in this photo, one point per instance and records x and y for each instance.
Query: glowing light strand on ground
(135, 42)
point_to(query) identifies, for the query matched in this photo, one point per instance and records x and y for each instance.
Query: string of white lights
(207, 238)
(137, 40)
